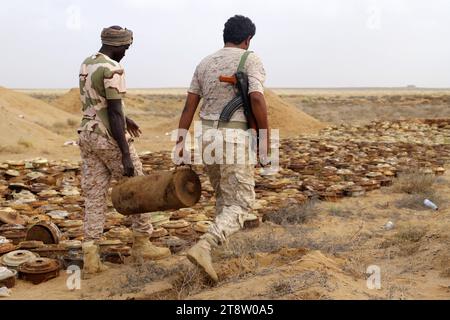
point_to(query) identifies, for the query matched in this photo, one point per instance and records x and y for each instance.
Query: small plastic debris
(389, 225)
(430, 204)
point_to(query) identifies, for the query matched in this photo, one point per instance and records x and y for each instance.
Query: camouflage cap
(116, 36)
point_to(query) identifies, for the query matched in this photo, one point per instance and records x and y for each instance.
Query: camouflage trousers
(234, 187)
(102, 163)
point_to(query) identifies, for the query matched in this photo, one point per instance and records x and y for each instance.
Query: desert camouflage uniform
(234, 184)
(102, 78)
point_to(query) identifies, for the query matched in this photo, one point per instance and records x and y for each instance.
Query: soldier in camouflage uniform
(106, 148)
(233, 182)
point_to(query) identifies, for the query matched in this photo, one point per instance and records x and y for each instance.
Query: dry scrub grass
(293, 214)
(418, 186)
(407, 240)
(414, 182)
(295, 284)
(410, 233)
(189, 281)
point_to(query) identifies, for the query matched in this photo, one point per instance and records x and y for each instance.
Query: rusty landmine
(46, 232)
(14, 232)
(159, 233)
(51, 251)
(174, 243)
(39, 270)
(33, 244)
(7, 247)
(116, 254)
(251, 222)
(187, 233)
(7, 277)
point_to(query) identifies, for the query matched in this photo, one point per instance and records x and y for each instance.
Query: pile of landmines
(41, 206)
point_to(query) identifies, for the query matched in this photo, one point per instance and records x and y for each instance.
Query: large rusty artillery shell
(158, 191)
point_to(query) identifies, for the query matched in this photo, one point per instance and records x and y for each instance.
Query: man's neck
(106, 53)
(232, 45)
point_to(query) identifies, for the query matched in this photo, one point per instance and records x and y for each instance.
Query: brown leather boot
(144, 249)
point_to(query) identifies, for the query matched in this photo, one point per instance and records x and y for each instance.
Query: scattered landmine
(41, 205)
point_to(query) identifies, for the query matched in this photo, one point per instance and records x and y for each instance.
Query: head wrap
(115, 37)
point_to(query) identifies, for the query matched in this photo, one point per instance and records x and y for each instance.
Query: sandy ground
(326, 257)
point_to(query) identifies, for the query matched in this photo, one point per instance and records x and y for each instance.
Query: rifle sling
(231, 108)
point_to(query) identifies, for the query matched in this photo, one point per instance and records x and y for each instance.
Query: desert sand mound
(283, 116)
(29, 123)
(288, 119)
(69, 102)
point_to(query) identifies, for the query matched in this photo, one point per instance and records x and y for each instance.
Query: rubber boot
(143, 249)
(200, 255)
(91, 259)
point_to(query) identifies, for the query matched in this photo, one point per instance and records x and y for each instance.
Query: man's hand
(128, 167)
(133, 129)
(259, 108)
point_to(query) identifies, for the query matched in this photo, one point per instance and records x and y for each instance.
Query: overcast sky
(303, 43)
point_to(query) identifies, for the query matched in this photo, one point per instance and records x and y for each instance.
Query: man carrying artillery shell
(222, 109)
(107, 150)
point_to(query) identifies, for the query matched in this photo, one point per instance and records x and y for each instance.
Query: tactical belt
(225, 125)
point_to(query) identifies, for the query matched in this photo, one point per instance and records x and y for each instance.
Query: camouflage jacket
(101, 79)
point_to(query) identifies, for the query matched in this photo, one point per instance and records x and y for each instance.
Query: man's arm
(192, 102)
(117, 124)
(259, 109)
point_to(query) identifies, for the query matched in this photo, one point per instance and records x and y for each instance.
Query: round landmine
(122, 233)
(109, 242)
(29, 245)
(7, 277)
(14, 232)
(11, 174)
(196, 217)
(202, 226)
(7, 247)
(18, 186)
(74, 233)
(158, 219)
(59, 215)
(37, 188)
(176, 224)
(10, 216)
(47, 194)
(52, 251)
(159, 233)
(186, 233)
(71, 244)
(116, 254)
(71, 224)
(15, 258)
(174, 243)
(46, 232)
(39, 270)
(180, 214)
(251, 221)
